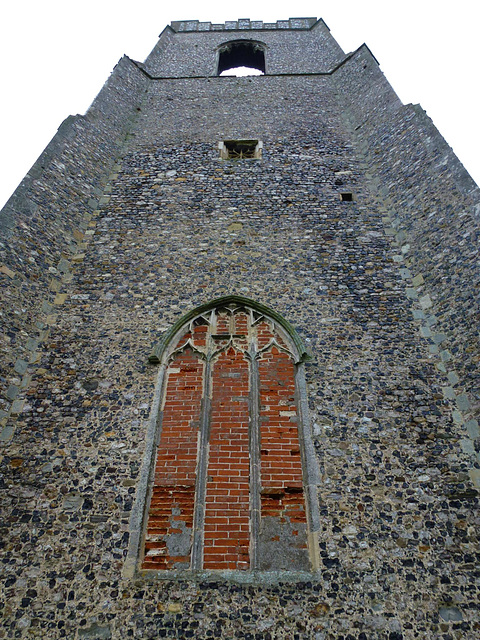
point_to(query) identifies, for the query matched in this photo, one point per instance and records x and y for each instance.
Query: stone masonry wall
(432, 206)
(45, 226)
(177, 227)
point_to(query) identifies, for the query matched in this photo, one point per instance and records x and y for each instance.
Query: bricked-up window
(240, 149)
(231, 472)
(241, 53)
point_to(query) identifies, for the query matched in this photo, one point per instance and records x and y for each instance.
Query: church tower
(239, 386)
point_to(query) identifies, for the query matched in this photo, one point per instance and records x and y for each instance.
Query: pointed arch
(229, 478)
(159, 349)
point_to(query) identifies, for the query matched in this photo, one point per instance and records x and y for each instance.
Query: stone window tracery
(228, 489)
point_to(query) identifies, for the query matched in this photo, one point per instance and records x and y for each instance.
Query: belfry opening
(243, 54)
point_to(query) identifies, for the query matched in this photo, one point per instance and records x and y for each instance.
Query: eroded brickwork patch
(283, 516)
(170, 522)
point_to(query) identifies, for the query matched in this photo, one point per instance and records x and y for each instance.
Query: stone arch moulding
(241, 53)
(229, 479)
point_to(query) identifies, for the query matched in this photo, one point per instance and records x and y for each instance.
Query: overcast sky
(56, 55)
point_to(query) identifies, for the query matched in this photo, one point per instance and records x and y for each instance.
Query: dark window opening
(346, 197)
(240, 149)
(241, 54)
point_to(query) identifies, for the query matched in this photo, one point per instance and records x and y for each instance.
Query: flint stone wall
(45, 225)
(191, 52)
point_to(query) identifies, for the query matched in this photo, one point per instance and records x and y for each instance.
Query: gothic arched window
(232, 470)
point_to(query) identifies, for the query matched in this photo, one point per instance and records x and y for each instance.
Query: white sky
(56, 55)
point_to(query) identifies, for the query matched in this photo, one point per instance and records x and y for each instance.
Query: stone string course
(128, 221)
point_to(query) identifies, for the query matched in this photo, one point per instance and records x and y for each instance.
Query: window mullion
(201, 479)
(255, 513)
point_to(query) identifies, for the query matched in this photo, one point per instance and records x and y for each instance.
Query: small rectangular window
(240, 149)
(346, 197)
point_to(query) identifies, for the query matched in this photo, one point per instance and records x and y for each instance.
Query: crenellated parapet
(243, 24)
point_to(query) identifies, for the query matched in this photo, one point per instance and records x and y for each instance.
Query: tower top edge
(245, 24)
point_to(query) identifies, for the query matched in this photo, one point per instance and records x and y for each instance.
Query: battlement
(244, 24)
